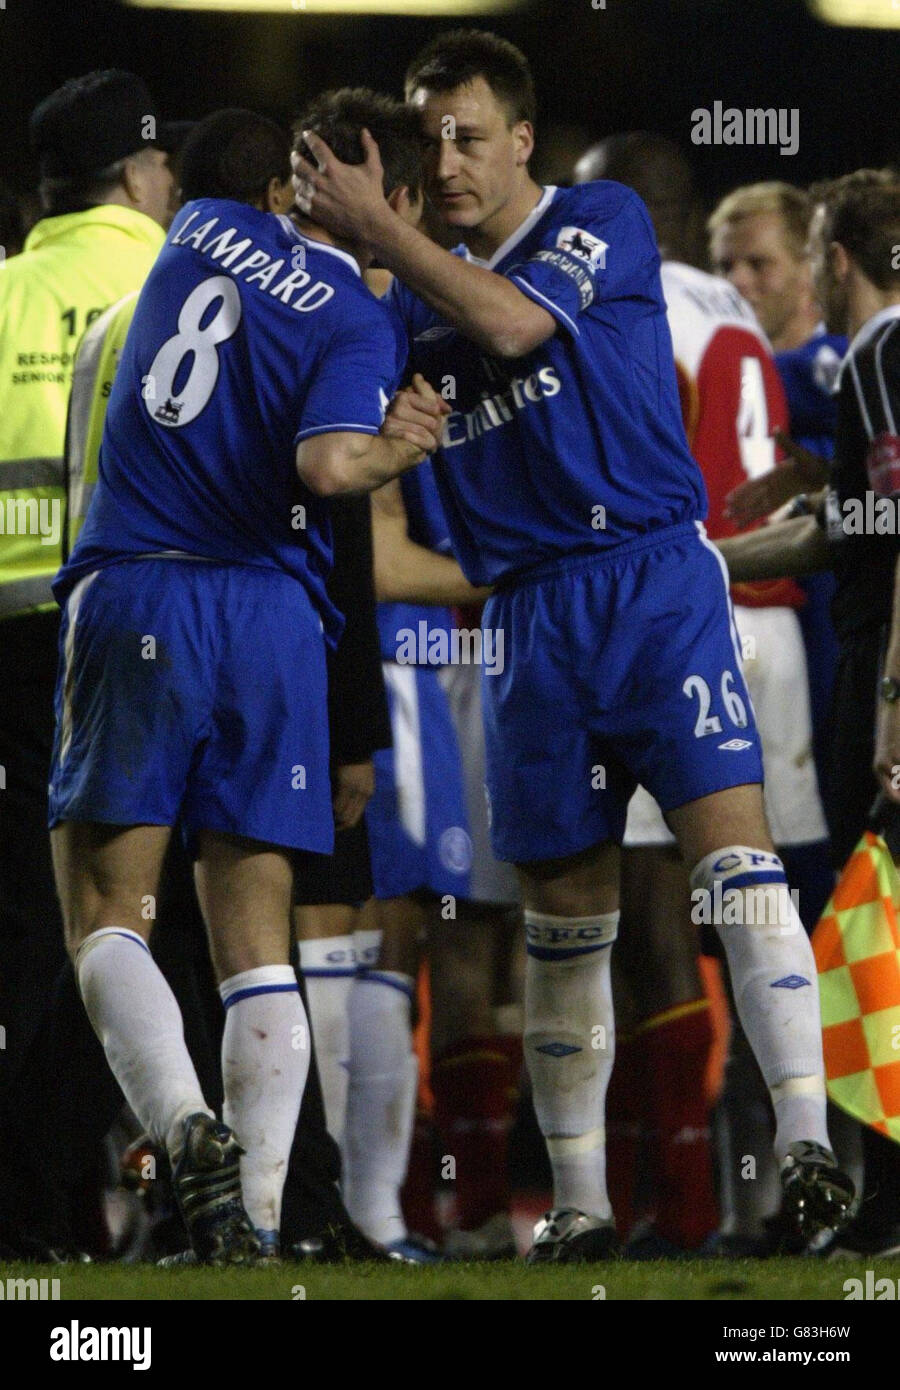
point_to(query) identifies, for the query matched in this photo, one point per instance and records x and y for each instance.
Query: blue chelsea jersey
(809, 375)
(246, 339)
(579, 445)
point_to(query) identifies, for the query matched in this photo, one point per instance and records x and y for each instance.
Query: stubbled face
(829, 290)
(474, 159)
(754, 254)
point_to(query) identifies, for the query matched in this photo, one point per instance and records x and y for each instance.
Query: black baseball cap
(94, 120)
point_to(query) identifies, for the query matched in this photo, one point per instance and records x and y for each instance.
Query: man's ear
(279, 196)
(132, 180)
(523, 134)
(410, 209)
(839, 261)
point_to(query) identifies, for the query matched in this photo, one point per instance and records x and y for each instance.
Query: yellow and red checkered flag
(857, 948)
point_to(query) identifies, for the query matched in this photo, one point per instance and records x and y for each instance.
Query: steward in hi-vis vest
(72, 267)
(108, 195)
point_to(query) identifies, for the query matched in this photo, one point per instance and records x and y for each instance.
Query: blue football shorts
(418, 827)
(194, 691)
(621, 668)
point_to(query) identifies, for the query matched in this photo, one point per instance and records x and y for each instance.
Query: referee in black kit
(853, 527)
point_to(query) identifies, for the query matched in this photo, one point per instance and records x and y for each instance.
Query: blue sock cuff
(391, 978)
(264, 979)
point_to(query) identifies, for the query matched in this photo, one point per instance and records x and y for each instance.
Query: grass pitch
(695, 1280)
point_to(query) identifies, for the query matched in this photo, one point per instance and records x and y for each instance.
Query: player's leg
(327, 959)
(107, 879)
(774, 668)
(557, 815)
(571, 921)
(474, 1075)
(419, 845)
(384, 1070)
(739, 879)
(673, 1036)
(692, 741)
(259, 790)
(328, 895)
(245, 890)
(127, 725)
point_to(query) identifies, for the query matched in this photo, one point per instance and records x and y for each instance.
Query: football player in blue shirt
(255, 381)
(568, 485)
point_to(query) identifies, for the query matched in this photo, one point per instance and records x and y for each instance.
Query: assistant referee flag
(857, 950)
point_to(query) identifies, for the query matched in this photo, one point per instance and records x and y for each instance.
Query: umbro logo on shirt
(735, 745)
(439, 331)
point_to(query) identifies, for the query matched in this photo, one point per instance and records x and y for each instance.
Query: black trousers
(851, 790)
(31, 936)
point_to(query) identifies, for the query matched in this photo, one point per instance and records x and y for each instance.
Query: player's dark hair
(862, 213)
(456, 57)
(234, 154)
(659, 172)
(338, 117)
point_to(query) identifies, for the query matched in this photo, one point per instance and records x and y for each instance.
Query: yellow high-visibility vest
(70, 270)
(95, 368)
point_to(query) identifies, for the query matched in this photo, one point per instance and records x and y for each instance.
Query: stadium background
(637, 64)
(643, 65)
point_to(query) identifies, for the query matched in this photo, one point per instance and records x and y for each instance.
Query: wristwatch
(800, 506)
(890, 689)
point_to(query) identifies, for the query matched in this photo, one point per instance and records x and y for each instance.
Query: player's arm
(349, 200)
(756, 498)
(409, 573)
(343, 461)
(786, 548)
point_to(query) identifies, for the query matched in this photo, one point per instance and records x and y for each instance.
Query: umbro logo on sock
(790, 982)
(557, 1049)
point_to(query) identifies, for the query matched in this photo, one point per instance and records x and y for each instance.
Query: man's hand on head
(346, 199)
(416, 414)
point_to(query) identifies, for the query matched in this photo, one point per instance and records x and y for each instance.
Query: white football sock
(265, 1061)
(366, 947)
(774, 981)
(136, 1017)
(569, 1047)
(329, 969)
(381, 1102)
